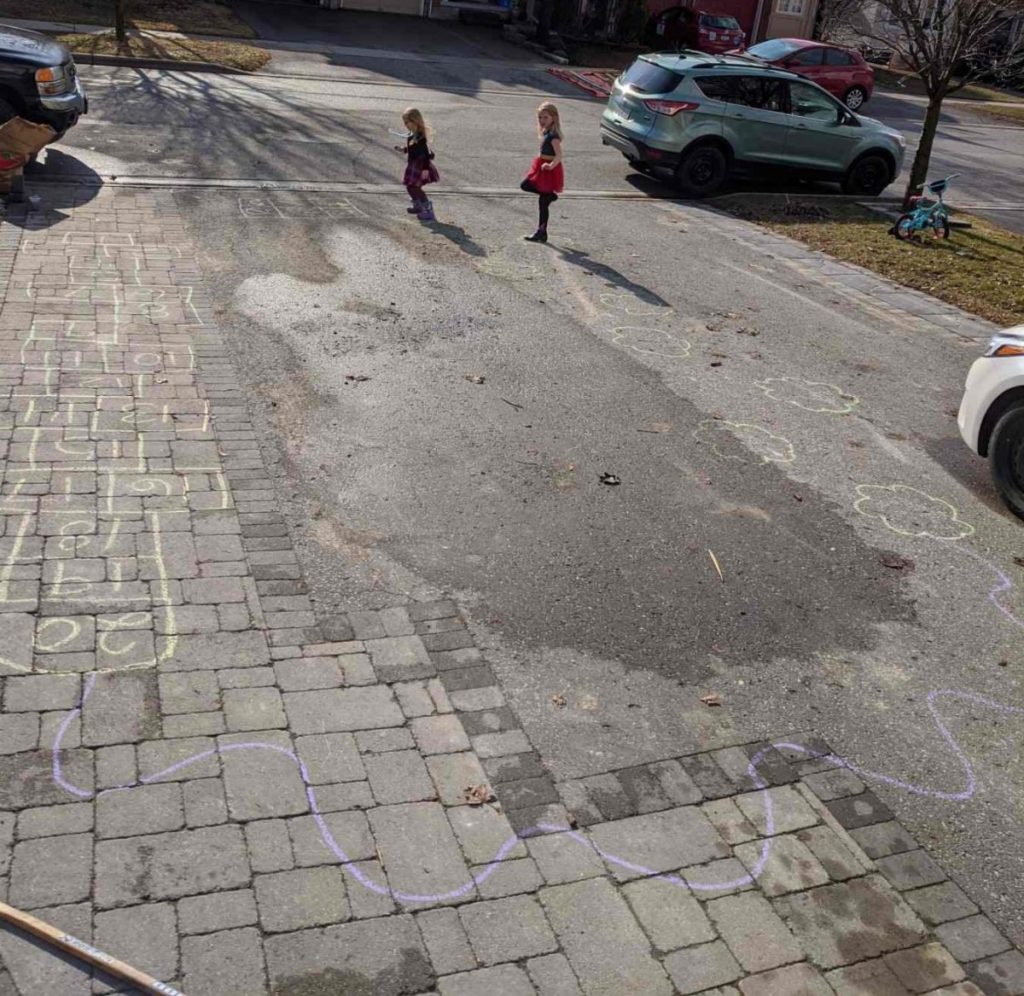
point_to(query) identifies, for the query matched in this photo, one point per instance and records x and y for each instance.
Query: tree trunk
(119, 22)
(922, 160)
(544, 21)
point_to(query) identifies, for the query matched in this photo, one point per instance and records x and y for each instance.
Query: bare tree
(834, 16)
(948, 44)
(120, 30)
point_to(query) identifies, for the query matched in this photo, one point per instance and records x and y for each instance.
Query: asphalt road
(797, 527)
(319, 117)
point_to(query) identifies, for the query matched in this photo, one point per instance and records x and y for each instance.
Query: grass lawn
(978, 269)
(888, 79)
(201, 17)
(1015, 114)
(179, 49)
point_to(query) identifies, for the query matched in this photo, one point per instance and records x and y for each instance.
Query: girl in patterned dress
(420, 169)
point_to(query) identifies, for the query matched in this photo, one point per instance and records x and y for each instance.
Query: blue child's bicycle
(926, 213)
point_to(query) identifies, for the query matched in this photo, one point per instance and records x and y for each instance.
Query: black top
(416, 147)
(547, 143)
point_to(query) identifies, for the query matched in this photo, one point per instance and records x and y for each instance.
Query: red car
(683, 27)
(841, 71)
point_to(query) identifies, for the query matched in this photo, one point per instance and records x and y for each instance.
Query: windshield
(772, 51)
(723, 23)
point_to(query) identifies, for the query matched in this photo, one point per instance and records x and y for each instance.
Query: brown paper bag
(19, 137)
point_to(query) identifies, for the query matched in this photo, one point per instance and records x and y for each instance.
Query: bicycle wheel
(904, 227)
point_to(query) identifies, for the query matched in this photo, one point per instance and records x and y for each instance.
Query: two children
(546, 177)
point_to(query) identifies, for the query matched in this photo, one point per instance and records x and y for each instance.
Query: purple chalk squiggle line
(1004, 585)
(338, 851)
(481, 876)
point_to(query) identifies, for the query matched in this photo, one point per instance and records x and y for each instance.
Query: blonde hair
(414, 116)
(556, 121)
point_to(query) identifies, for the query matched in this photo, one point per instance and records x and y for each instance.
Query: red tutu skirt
(419, 173)
(546, 181)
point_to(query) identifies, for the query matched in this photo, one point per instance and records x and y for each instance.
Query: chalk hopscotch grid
(88, 404)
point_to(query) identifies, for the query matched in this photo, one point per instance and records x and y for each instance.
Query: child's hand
(425, 175)
(547, 166)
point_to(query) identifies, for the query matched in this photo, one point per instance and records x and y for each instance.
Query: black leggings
(544, 202)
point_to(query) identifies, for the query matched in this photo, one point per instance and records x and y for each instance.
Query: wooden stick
(86, 952)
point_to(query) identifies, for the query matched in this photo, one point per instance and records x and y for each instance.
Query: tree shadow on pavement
(218, 126)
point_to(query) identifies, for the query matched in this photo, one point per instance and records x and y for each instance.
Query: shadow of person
(577, 257)
(459, 236)
(54, 184)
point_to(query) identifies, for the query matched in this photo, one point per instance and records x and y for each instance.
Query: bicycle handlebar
(952, 176)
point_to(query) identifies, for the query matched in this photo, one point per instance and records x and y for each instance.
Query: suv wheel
(1006, 459)
(702, 171)
(855, 98)
(868, 176)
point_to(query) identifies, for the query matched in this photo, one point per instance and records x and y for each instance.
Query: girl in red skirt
(546, 177)
(420, 169)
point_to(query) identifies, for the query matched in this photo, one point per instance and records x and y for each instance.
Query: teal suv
(704, 117)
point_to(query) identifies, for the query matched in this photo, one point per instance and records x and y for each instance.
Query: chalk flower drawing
(740, 441)
(656, 342)
(506, 269)
(632, 305)
(910, 512)
(810, 395)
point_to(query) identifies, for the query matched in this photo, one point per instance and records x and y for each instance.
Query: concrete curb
(85, 59)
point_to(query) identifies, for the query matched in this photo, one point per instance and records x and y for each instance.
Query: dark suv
(38, 80)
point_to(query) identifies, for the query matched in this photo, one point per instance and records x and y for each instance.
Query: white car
(991, 415)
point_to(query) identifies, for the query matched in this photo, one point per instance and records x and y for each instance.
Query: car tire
(868, 176)
(855, 98)
(1006, 459)
(702, 171)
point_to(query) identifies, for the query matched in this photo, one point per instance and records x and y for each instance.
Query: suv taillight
(670, 107)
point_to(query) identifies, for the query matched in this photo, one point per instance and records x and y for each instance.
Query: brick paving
(205, 779)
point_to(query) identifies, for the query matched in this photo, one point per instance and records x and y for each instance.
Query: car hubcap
(1017, 465)
(702, 171)
(855, 99)
(869, 176)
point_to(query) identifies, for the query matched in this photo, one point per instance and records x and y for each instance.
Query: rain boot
(426, 211)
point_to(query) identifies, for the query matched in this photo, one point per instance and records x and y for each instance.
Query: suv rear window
(649, 78)
(722, 23)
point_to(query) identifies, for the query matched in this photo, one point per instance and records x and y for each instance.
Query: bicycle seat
(938, 186)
